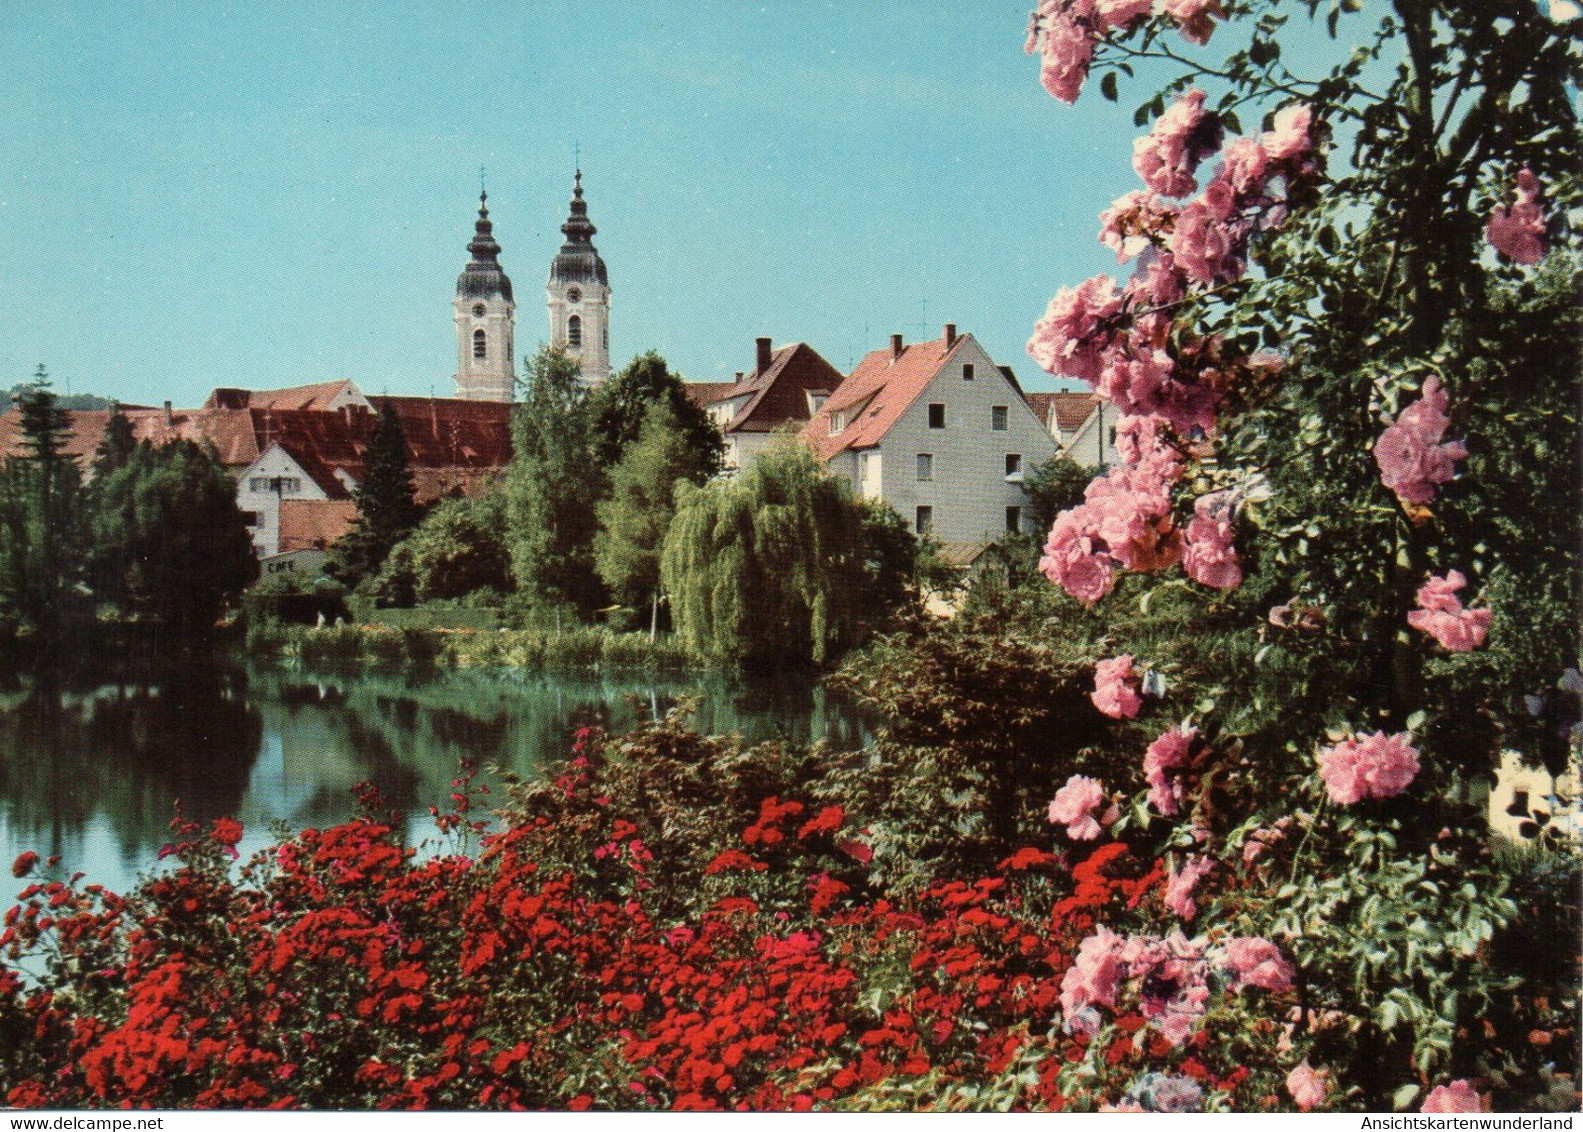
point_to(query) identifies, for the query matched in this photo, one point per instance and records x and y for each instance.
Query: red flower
(24, 864)
(227, 831)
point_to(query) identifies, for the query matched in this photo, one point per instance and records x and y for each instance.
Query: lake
(92, 768)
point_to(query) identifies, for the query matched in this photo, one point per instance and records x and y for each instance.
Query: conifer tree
(387, 508)
(115, 447)
(39, 514)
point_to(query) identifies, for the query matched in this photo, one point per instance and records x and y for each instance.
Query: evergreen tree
(782, 565)
(621, 404)
(115, 447)
(642, 503)
(387, 508)
(39, 558)
(552, 486)
(168, 539)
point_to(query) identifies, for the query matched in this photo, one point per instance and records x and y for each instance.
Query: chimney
(1006, 372)
(168, 418)
(739, 377)
(895, 346)
(763, 357)
(950, 335)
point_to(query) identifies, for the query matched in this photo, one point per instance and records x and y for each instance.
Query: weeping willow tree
(782, 565)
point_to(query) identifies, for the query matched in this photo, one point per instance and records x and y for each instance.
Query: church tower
(484, 320)
(579, 294)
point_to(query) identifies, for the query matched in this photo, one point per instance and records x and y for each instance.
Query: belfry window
(480, 345)
(574, 331)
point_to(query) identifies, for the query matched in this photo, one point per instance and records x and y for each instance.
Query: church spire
(484, 317)
(579, 293)
(484, 248)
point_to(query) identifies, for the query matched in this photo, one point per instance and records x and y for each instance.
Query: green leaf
(1107, 85)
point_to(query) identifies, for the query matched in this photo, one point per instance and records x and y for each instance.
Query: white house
(1082, 424)
(939, 432)
(787, 387)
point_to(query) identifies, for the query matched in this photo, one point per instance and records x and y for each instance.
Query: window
(1112, 436)
(258, 483)
(1013, 465)
(925, 520)
(574, 331)
(837, 423)
(967, 371)
(998, 417)
(288, 483)
(478, 310)
(925, 466)
(252, 519)
(936, 415)
(1013, 519)
(480, 345)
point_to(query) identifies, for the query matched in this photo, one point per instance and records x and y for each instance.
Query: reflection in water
(91, 769)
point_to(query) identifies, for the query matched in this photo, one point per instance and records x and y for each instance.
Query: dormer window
(480, 344)
(837, 423)
(574, 332)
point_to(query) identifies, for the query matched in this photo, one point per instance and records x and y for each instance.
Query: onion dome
(484, 277)
(578, 262)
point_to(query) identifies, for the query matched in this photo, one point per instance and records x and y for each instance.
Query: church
(297, 453)
(579, 307)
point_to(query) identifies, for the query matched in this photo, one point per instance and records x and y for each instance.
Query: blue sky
(263, 194)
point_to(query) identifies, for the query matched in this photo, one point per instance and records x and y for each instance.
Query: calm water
(92, 769)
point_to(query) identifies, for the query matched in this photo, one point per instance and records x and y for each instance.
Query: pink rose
(1308, 1086)
(1440, 614)
(1256, 962)
(1094, 978)
(1181, 883)
(1075, 805)
(1205, 245)
(1195, 18)
(1170, 752)
(1291, 139)
(1073, 562)
(1458, 1096)
(1116, 688)
(1368, 766)
(1182, 137)
(1410, 455)
(1518, 232)
(1074, 331)
(1208, 555)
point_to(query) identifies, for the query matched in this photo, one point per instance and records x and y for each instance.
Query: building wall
(969, 490)
(264, 502)
(593, 309)
(1093, 443)
(489, 378)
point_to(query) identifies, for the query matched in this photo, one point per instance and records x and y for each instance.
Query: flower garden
(1192, 818)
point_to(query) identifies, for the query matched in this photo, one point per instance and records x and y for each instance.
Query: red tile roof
(313, 524)
(229, 431)
(319, 396)
(876, 395)
(1071, 409)
(706, 393)
(779, 395)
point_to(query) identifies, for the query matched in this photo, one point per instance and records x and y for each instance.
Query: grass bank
(543, 650)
